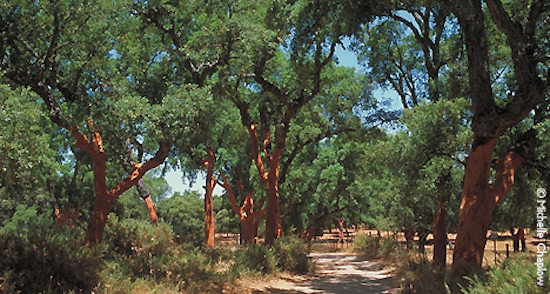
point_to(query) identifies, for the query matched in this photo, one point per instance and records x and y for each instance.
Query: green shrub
(417, 275)
(388, 248)
(185, 214)
(143, 251)
(366, 245)
(518, 275)
(255, 259)
(38, 256)
(292, 255)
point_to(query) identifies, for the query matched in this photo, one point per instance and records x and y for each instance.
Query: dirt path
(338, 273)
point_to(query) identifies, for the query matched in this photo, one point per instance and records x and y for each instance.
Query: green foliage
(185, 214)
(366, 245)
(38, 256)
(286, 254)
(389, 248)
(292, 254)
(255, 259)
(25, 153)
(376, 247)
(419, 276)
(515, 276)
(227, 221)
(141, 251)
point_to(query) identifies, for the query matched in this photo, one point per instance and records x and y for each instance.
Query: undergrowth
(37, 256)
(518, 275)
(375, 247)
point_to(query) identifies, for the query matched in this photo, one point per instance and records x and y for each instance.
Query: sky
(174, 178)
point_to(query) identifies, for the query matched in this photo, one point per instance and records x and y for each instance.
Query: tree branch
(256, 155)
(505, 175)
(141, 168)
(230, 193)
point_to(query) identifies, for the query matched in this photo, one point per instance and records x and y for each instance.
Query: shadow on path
(342, 274)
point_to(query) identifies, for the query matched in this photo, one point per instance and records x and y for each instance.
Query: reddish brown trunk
(104, 198)
(270, 180)
(440, 237)
(479, 199)
(146, 196)
(249, 229)
(96, 224)
(209, 221)
(273, 214)
(248, 218)
(151, 208)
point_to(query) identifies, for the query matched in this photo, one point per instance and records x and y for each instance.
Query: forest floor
(340, 272)
(336, 273)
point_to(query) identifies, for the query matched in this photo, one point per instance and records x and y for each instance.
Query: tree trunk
(440, 237)
(409, 236)
(146, 196)
(273, 215)
(479, 199)
(522, 239)
(249, 229)
(515, 239)
(248, 218)
(96, 225)
(209, 220)
(104, 198)
(440, 219)
(270, 180)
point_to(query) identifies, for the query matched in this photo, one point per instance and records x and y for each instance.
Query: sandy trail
(339, 273)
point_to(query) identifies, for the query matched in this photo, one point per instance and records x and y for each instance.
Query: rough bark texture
(209, 220)
(104, 198)
(479, 196)
(270, 180)
(273, 215)
(479, 199)
(440, 236)
(249, 219)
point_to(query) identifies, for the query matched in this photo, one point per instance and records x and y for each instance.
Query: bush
(388, 248)
(255, 259)
(366, 245)
(143, 251)
(292, 255)
(36, 255)
(518, 275)
(417, 275)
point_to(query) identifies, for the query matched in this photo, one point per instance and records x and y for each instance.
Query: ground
(340, 272)
(336, 273)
